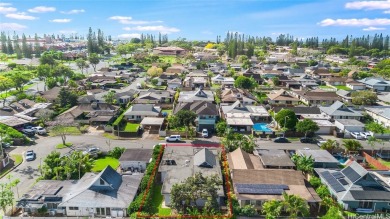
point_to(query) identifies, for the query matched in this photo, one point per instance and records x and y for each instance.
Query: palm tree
(352, 145)
(372, 142)
(295, 205)
(272, 209)
(330, 145)
(303, 163)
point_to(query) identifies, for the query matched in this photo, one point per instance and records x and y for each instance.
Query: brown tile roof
(268, 176)
(318, 95)
(281, 95)
(239, 159)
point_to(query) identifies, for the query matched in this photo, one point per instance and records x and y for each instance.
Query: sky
(197, 19)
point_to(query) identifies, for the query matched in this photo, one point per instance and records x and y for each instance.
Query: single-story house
(334, 81)
(51, 95)
(322, 158)
(345, 95)
(316, 97)
(224, 81)
(135, 159)
(274, 159)
(282, 97)
(355, 85)
(380, 114)
(376, 84)
(340, 111)
(139, 111)
(197, 95)
(169, 51)
(358, 189)
(180, 163)
(303, 112)
(326, 127)
(154, 96)
(174, 84)
(104, 194)
(349, 125)
(256, 186)
(234, 94)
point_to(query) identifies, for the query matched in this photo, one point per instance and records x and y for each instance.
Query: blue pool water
(261, 127)
(341, 159)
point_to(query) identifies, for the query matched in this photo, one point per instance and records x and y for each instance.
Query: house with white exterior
(376, 84)
(104, 194)
(224, 81)
(355, 85)
(380, 114)
(139, 111)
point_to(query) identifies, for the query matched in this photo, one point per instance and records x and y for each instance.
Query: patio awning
(239, 121)
(154, 121)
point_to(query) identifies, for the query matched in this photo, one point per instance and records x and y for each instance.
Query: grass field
(102, 163)
(131, 127)
(157, 200)
(169, 112)
(61, 146)
(342, 87)
(70, 130)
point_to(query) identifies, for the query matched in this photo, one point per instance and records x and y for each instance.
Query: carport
(152, 124)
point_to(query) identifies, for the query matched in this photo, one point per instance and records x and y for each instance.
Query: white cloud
(5, 4)
(368, 5)
(74, 11)
(138, 22)
(61, 20)
(119, 18)
(387, 12)
(42, 9)
(373, 28)
(129, 35)
(6, 10)
(159, 28)
(355, 22)
(21, 16)
(67, 31)
(12, 26)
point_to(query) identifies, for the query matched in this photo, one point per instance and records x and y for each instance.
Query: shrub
(315, 182)
(116, 152)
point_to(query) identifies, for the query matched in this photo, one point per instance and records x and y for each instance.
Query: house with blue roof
(376, 84)
(340, 111)
(358, 189)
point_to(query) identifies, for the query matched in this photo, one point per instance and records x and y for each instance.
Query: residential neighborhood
(142, 128)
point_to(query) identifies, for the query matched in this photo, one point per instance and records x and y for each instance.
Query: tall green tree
(197, 187)
(19, 78)
(295, 205)
(286, 118)
(7, 195)
(244, 82)
(272, 209)
(81, 64)
(375, 127)
(352, 145)
(67, 98)
(307, 126)
(93, 60)
(5, 84)
(330, 145)
(364, 97)
(303, 163)
(109, 97)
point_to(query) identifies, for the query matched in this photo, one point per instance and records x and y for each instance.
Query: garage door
(114, 213)
(120, 213)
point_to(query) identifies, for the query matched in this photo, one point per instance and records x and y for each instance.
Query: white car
(356, 135)
(173, 138)
(30, 155)
(365, 135)
(39, 130)
(92, 151)
(205, 133)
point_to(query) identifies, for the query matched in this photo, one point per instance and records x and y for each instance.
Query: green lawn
(168, 59)
(157, 200)
(70, 130)
(131, 127)
(102, 163)
(342, 87)
(61, 146)
(326, 87)
(17, 158)
(386, 163)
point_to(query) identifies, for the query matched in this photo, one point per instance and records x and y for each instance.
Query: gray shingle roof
(338, 109)
(204, 158)
(143, 109)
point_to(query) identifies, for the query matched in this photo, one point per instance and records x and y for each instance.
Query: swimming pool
(341, 159)
(261, 127)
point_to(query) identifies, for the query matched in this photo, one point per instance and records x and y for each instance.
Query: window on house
(74, 208)
(289, 102)
(101, 182)
(108, 211)
(364, 204)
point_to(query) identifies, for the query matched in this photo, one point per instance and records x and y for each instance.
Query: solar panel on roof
(351, 174)
(336, 186)
(260, 191)
(262, 186)
(343, 181)
(338, 175)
